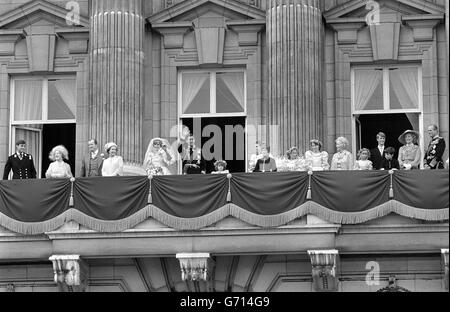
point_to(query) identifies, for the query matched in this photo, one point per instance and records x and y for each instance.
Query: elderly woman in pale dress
(113, 165)
(342, 159)
(159, 157)
(409, 154)
(315, 158)
(58, 168)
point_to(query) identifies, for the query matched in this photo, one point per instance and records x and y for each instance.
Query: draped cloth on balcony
(114, 204)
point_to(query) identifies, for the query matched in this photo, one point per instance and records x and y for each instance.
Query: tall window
(212, 93)
(386, 93)
(36, 102)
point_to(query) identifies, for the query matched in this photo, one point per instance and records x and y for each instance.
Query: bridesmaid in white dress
(159, 157)
(363, 162)
(58, 168)
(316, 159)
(113, 165)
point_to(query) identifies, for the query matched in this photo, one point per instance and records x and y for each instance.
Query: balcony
(240, 213)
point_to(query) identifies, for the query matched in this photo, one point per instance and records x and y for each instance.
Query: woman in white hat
(409, 154)
(159, 157)
(113, 165)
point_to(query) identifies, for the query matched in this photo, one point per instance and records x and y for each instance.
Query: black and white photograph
(237, 147)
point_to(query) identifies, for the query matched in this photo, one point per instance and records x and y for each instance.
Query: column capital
(70, 272)
(324, 266)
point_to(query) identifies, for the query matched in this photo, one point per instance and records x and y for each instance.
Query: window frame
(386, 90)
(44, 119)
(386, 100)
(212, 92)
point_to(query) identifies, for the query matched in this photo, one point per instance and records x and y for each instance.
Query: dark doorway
(58, 134)
(391, 124)
(235, 158)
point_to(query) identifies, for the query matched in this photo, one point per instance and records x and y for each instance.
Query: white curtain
(414, 120)
(27, 100)
(192, 83)
(235, 83)
(67, 90)
(32, 138)
(366, 82)
(405, 85)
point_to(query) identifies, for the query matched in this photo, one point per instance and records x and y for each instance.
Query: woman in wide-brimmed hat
(409, 154)
(113, 165)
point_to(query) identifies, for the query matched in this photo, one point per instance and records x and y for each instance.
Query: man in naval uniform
(20, 163)
(436, 148)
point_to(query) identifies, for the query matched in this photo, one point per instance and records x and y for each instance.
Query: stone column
(324, 266)
(295, 38)
(196, 270)
(117, 75)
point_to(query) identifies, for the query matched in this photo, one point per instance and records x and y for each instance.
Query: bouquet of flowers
(154, 170)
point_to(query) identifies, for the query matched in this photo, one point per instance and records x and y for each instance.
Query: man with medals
(20, 163)
(436, 148)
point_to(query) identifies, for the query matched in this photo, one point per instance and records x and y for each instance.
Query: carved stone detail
(247, 31)
(423, 25)
(196, 270)
(77, 38)
(324, 266)
(173, 33)
(347, 32)
(8, 40)
(445, 260)
(70, 272)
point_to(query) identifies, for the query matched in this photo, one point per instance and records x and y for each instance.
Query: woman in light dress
(315, 158)
(409, 154)
(159, 157)
(113, 165)
(293, 161)
(363, 162)
(342, 159)
(58, 168)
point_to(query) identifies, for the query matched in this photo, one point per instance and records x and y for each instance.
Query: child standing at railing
(363, 162)
(221, 166)
(389, 162)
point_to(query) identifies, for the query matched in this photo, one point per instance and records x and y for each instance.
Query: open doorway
(58, 134)
(391, 124)
(232, 143)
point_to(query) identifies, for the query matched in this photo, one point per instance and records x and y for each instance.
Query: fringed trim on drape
(178, 223)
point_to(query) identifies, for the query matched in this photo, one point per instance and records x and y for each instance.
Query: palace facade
(286, 71)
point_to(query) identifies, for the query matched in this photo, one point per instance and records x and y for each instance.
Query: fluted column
(117, 69)
(295, 53)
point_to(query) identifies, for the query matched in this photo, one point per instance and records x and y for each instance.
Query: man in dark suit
(91, 165)
(20, 163)
(377, 153)
(435, 150)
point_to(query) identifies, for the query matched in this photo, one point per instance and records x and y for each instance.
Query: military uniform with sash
(433, 155)
(22, 166)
